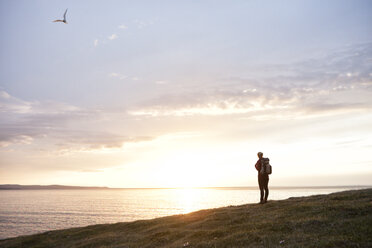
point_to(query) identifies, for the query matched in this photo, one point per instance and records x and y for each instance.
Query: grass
(341, 219)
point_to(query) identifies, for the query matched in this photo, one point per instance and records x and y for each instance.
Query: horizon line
(59, 186)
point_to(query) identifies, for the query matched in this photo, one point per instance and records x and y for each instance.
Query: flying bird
(64, 18)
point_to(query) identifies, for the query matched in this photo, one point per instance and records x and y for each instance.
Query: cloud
(117, 75)
(215, 107)
(337, 82)
(96, 42)
(113, 37)
(21, 121)
(9, 103)
(143, 24)
(113, 74)
(77, 142)
(7, 139)
(4, 95)
(61, 126)
(122, 76)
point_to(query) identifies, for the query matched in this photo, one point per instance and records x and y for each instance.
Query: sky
(185, 93)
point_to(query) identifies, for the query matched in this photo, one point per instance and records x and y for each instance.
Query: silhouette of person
(263, 178)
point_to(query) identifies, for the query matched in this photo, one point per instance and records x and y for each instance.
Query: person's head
(260, 154)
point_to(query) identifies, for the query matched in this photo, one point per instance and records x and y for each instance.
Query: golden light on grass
(188, 199)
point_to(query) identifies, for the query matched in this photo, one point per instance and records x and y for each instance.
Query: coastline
(72, 187)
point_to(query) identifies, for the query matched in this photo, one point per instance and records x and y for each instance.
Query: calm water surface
(24, 212)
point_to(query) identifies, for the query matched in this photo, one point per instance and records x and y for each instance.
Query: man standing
(263, 178)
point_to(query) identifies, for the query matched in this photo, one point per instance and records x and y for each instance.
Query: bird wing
(64, 15)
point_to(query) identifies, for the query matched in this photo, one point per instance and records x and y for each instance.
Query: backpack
(265, 166)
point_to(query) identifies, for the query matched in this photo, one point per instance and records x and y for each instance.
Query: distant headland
(56, 186)
(24, 187)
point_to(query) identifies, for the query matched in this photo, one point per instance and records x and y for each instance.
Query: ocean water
(24, 212)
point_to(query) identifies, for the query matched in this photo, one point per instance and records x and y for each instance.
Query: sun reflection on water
(188, 199)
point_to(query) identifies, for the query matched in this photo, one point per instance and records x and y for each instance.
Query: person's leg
(261, 185)
(266, 186)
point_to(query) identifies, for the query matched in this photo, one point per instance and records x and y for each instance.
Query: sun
(184, 170)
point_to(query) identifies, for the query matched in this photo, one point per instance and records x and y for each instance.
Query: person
(263, 179)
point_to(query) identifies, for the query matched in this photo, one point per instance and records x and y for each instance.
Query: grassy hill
(337, 220)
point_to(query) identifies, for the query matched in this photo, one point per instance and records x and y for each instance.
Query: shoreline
(68, 187)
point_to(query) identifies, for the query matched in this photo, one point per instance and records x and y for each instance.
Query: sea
(25, 212)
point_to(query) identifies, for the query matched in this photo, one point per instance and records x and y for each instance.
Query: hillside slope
(337, 220)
